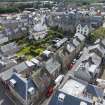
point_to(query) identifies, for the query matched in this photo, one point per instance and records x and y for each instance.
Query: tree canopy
(98, 33)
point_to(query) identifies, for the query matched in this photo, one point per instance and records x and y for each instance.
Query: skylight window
(13, 82)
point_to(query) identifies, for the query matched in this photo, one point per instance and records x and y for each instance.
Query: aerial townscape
(52, 52)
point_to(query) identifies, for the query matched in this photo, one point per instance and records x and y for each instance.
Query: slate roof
(71, 96)
(75, 42)
(9, 49)
(8, 73)
(22, 85)
(95, 58)
(70, 47)
(96, 18)
(69, 100)
(9, 31)
(3, 37)
(94, 90)
(100, 49)
(52, 65)
(80, 36)
(15, 33)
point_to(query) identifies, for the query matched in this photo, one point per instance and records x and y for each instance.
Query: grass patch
(1, 27)
(29, 49)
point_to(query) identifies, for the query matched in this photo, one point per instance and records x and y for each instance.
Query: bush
(8, 10)
(97, 34)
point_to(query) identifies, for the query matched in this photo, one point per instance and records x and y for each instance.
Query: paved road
(4, 100)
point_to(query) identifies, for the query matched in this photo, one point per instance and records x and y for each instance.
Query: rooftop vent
(35, 61)
(61, 97)
(47, 53)
(13, 82)
(29, 63)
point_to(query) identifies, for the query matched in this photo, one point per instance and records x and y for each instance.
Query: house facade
(84, 30)
(71, 49)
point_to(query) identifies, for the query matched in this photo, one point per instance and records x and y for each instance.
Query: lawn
(29, 49)
(30, 52)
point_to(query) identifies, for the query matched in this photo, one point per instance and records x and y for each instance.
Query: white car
(59, 79)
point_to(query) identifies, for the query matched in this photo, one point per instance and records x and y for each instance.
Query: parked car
(74, 61)
(59, 79)
(50, 90)
(79, 55)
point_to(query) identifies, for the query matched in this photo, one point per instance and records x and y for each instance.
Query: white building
(39, 30)
(84, 30)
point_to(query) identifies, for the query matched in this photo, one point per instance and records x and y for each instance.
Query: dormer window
(61, 97)
(13, 82)
(31, 90)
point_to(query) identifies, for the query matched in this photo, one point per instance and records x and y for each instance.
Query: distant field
(74, 1)
(90, 1)
(45, 0)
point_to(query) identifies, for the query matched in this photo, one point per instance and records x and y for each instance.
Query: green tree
(98, 34)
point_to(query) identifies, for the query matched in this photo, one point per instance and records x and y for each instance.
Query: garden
(32, 48)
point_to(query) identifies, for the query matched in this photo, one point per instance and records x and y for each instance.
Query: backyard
(29, 49)
(32, 48)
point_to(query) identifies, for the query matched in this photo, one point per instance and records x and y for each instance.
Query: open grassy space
(32, 48)
(29, 50)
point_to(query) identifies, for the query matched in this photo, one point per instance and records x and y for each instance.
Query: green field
(51, 0)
